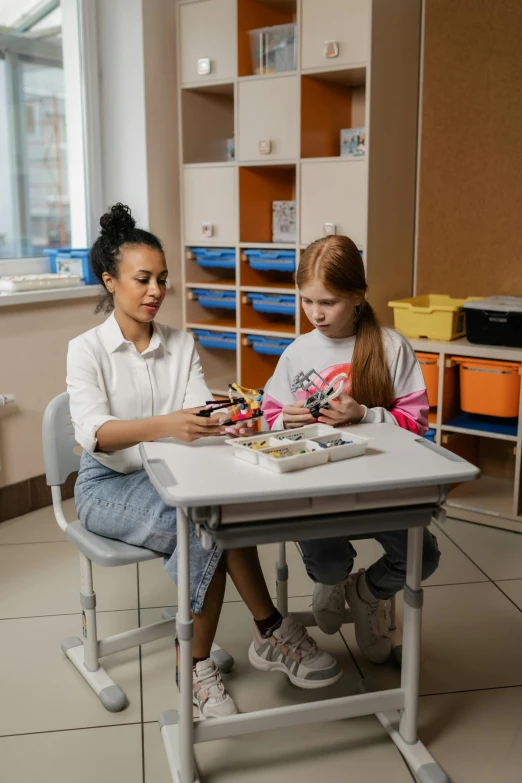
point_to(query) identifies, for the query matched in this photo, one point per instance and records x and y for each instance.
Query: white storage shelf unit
(286, 128)
(494, 445)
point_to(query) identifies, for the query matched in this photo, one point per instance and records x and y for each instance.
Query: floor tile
(105, 755)
(44, 691)
(44, 579)
(157, 589)
(250, 688)
(471, 639)
(513, 589)
(454, 566)
(36, 527)
(476, 737)
(497, 552)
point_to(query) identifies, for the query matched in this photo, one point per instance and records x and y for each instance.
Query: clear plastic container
(273, 49)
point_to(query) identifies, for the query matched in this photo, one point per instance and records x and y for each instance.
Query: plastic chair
(60, 461)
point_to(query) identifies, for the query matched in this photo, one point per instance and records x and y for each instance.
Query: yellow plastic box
(435, 316)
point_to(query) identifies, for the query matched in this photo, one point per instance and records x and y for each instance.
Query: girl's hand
(296, 415)
(343, 410)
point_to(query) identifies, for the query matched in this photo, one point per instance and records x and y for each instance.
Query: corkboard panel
(470, 209)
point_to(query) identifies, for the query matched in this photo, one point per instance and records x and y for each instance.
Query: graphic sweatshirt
(330, 357)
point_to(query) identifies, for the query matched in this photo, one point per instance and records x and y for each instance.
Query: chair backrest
(58, 441)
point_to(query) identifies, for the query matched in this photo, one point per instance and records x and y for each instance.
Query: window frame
(82, 111)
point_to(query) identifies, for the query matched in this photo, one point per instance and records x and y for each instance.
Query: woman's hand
(343, 410)
(296, 415)
(186, 426)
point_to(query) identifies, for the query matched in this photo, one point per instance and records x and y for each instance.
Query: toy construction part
(286, 452)
(243, 404)
(326, 390)
(332, 443)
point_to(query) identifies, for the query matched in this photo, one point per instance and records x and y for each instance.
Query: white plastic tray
(14, 283)
(290, 443)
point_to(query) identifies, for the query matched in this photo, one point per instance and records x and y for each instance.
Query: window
(35, 153)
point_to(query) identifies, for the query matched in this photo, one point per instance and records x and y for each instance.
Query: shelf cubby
(265, 322)
(264, 278)
(256, 369)
(493, 493)
(259, 186)
(204, 316)
(330, 102)
(219, 367)
(195, 273)
(207, 122)
(254, 14)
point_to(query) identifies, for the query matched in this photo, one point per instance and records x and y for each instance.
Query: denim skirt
(125, 506)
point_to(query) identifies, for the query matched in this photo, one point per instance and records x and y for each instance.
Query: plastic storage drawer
(224, 258)
(437, 317)
(269, 346)
(429, 363)
(271, 260)
(224, 340)
(270, 303)
(215, 300)
(496, 320)
(66, 260)
(489, 388)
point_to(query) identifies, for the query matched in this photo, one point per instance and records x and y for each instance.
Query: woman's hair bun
(117, 222)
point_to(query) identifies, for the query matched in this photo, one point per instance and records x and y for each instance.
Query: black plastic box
(496, 320)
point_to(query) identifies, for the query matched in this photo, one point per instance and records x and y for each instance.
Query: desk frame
(396, 708)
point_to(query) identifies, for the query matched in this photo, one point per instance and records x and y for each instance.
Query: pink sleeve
(272, 409)
(411, 412)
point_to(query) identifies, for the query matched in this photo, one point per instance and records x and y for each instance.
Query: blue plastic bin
(73, 260)
(430, 435)
(271, 346)
(271, 260)
(224, 340)
(216, 258)
(272, 303)
(222, 300)
(51, 253)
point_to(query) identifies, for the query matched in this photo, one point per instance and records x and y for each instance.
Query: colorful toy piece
(242, 404)
(325, 390)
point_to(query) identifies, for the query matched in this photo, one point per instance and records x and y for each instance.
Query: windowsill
(49, 295)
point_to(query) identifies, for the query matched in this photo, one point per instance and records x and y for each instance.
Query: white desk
(399, 483)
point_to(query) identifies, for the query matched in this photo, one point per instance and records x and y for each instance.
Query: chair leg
(84, 654)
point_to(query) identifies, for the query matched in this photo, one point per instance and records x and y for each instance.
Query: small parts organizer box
(315, 444)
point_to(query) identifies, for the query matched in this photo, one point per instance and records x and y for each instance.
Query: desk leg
(403, 728)
(177, 728)
(282, 580)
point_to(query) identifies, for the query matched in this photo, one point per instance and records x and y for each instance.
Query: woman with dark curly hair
(132, 380)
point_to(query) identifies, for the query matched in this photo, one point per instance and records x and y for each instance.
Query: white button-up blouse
(107, 378)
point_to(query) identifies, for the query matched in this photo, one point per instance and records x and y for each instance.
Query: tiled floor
(54, 730)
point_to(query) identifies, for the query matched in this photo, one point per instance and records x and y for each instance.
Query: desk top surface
(206, 472)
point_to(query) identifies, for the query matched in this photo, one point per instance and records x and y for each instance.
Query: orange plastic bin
(489, 388)
(429, 363)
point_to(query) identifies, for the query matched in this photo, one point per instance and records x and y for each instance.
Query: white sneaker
(209, 692)
(328, 606)
(372, 622)
(290, 650)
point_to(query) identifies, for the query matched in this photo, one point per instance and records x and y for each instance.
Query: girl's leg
(387, 576)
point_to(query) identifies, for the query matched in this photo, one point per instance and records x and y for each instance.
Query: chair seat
(106, 551)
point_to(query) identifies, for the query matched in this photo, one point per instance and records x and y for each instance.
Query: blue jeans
(125, 506)
(330, 560)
